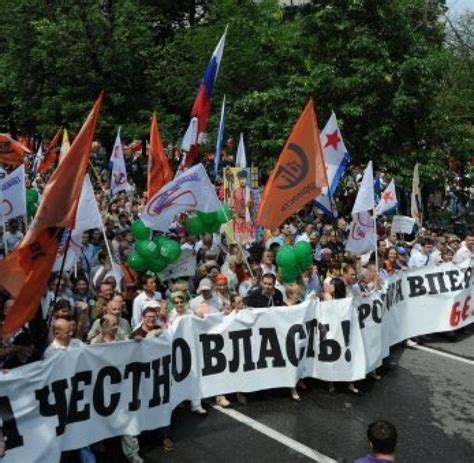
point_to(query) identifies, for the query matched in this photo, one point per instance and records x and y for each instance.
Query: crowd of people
(103, 300)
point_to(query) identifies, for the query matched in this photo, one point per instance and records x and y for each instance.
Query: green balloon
(224, 214)
(170, 250)
(157, 265)
(136, 262)
(140, 231)
(194, 226)
(305, 263)
(214, 228)
(158, 241)
(147, 249)
(286, 257)
(208, 218)
(289, 275)
(304, 254)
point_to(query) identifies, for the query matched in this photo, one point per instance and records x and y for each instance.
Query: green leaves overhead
(402, 93)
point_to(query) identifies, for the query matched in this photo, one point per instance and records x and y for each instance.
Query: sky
(457, 7)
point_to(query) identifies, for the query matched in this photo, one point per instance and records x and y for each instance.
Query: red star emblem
(387, 196)
(332, 140)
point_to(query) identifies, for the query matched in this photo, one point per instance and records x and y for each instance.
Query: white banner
(83, 395)
(13, 194)
(185, 267)
(402, 224)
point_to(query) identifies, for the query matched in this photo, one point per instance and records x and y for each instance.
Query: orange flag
(50, 157)
(11, 151)
(25, 271)
(159, 170)
(299, 175)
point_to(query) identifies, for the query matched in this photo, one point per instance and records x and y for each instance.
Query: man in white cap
(206, 296)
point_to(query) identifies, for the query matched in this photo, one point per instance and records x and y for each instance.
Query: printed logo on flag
(359, 228)
(293, 171)
(6, 207)
(120, 178)
(178, 195)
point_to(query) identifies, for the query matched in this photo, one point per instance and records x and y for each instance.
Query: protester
(109, 332)
(382, 436)
(148, 294)
(266, 295)
(230, 277)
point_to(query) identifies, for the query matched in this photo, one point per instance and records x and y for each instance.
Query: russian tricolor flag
(202, 103)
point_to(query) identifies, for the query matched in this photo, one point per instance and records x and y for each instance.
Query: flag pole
(109, 252)
(375, 235)
(4, 228)
(61, 270)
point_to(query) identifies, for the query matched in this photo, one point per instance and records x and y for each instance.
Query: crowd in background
(102, 300)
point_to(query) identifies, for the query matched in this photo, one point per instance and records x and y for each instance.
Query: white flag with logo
(241, 158)
(192, 190)
(365, 196)
(118, 181)
(13, 194)
(361, 234)
(87, 217)
(388, 200)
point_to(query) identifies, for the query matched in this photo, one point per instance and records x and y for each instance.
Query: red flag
(25, 271)
(11, 151)
(159, 170)
(51, 156)
(299, 175)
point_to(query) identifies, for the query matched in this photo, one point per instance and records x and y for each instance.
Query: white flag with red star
(388, 202)
(336, 159)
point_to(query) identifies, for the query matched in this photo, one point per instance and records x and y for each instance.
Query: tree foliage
(401, 89)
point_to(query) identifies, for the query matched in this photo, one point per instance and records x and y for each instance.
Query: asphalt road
(429, 397)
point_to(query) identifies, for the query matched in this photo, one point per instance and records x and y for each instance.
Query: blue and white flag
(388, 200)
(118, 181)
(336, 159)
(220, 139)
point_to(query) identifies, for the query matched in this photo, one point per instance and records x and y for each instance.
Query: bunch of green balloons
(209, 222)
(152, 255)
(32, 198)
(292, 260)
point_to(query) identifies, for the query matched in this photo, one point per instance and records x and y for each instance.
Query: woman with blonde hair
(179, 302)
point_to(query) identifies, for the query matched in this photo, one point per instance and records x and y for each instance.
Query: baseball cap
(204, 284)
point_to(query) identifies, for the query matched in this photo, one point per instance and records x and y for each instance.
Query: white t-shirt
(139, 305)
(462, 255)
(55, 346)
(215, 303)
(417, 260)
